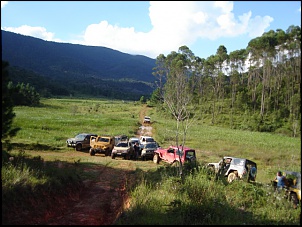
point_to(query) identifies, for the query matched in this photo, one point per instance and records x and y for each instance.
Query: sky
(150, 28)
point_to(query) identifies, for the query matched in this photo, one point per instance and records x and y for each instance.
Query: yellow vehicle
(292, 186)
(101, 145)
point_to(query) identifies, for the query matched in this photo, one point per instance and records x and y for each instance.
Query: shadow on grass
(198, 209)
(34, 146)
(33, 188)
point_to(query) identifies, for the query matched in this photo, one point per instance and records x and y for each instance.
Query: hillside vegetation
(63, 69)
(158, 196)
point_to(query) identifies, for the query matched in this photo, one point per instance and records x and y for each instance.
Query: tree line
(265, 97)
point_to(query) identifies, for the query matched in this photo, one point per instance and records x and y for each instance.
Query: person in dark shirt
(136, 150)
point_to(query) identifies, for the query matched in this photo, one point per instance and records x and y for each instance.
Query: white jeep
(234, 168)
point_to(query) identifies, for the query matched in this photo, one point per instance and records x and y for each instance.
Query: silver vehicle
(124, 150)
(147, 120)
(133, 140)
(235, 168)
(120, 138)
(80, 141)
(146, 139)
(147, 151)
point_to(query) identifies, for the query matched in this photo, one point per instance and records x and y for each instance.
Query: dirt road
(100, 202)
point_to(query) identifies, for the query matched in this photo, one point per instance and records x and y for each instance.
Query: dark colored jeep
(80, 141)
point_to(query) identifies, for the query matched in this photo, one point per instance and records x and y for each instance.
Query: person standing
(136, 150)
(280, 181)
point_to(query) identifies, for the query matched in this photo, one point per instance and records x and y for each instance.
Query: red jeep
(174, 154)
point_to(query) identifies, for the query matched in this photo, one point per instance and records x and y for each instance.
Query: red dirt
(97, 203)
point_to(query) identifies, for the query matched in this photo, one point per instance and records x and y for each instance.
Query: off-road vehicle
(80, 141)
(146, 139)
(234, 168)
(147, 151)
(173, 155)
(120, 138)
(147, 120)
(101, 145)
(292, 186)
(124, 150)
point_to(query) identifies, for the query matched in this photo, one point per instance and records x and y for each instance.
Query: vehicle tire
(127, 157)
(78, 147)
(211, 169)
(91, 152)
(107, 152)
(294, 199)
(176, 168)
(232, 177)
(156, 158)
(175, 164)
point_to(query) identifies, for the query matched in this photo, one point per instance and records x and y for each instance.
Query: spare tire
(231, 177)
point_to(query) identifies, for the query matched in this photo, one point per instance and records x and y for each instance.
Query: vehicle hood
(121, 148)
(72, 140)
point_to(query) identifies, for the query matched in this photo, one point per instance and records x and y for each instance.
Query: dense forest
(265, 97)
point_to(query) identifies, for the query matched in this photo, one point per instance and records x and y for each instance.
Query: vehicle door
(170, 155)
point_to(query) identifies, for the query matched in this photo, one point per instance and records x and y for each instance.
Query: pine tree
(7, 106)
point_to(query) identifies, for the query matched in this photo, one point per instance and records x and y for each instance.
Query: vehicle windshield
(80, 136)
(295, 176)
(150, 145)
(122, 145)
(148, 140)
(190, 154)
(101, 139)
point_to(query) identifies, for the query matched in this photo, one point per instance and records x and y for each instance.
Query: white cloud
(257, 25)
(38, 32)
(173, 24)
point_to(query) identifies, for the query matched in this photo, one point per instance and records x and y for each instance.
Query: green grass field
(45, 129)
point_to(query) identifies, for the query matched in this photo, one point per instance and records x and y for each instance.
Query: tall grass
(160, 197)
(203, 200)
(271, 152)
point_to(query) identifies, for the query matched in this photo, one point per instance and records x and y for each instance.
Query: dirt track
(99, 202)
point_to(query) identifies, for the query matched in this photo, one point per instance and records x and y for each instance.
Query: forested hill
(70, 69)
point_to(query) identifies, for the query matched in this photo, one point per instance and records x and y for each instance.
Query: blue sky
(150, 28)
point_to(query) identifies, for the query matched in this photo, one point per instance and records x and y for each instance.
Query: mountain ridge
(74, 64)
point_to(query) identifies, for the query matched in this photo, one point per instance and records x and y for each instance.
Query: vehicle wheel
(176, 168)
(232, 177)
(78, 147)
(91, 152)
(175, 164)
(107, 152)
(127, 157)
(156, 158)
(294, 199)
(211, 169)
